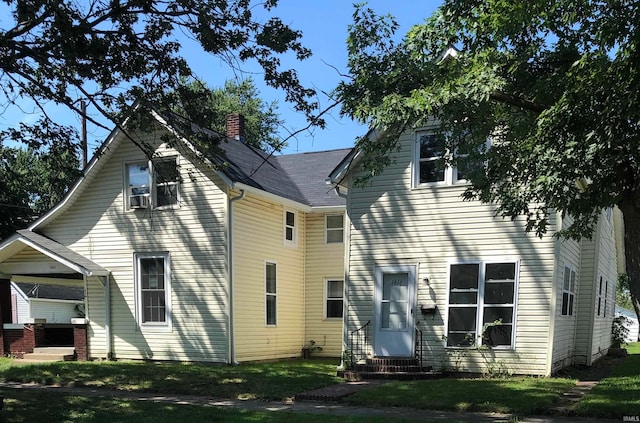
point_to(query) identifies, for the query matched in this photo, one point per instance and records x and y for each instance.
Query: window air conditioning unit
(139, 202)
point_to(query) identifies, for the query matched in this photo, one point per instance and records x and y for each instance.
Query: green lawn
(269, 381)
(37, 406)
(615, 396)
(522, 396)
(619, 394)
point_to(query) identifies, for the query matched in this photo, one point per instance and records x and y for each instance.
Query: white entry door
(394, 307)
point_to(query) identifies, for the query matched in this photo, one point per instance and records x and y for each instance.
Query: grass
(36, 406)
(614, 397)
(619, 394)
(266, 381)
(522, 396)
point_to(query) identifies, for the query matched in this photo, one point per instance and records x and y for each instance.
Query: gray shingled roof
(51, 292)
(52, 248)
(309, 172)
(297, 177)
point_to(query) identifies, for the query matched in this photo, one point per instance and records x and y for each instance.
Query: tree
(35, 178)
(214, 104)
(112, 53)
(554, 85)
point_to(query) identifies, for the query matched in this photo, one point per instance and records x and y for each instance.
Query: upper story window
(481, 304)
(334, 226)
(568, 290)
(429, 167)
(152, 184)
(290, 229)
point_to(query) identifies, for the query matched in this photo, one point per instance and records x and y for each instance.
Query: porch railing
(419, 347)
(358, 341)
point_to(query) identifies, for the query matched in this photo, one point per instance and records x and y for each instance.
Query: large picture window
(153, 289)
(152, 184)
(271, 295)
(481, 304)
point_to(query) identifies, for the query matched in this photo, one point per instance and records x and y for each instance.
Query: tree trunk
(631, 216)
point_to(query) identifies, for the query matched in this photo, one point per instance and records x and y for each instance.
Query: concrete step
(351, 375)
(54, 350)
(46, 358)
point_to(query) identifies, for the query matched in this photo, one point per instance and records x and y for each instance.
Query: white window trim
(450, 172)
(572, 294)
(266, 294)
(326, 297)
(296, 223)
(327, 229)
(167, 325)
(480, 305)
(152, 183)
(599, 297)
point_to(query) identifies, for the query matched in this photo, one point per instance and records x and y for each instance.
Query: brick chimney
(235, 126)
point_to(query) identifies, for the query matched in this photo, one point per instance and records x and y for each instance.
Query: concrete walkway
(311, 407)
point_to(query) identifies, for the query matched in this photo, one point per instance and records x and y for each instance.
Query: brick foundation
(80, 342)
(19, 342)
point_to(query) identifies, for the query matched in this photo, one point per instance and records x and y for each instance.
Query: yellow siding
(98, 227)
(323, 261)
(393, 224)
(259, 237)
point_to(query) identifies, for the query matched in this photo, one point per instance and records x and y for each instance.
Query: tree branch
(517, 101)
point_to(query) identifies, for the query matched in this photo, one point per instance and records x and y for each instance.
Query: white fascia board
(273, 197)
(328, 209)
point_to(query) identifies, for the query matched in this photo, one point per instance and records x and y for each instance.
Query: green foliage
(619, 331)
(34, 179)
(210, 107)
(623, 295)
(112, 53)
(554, 86)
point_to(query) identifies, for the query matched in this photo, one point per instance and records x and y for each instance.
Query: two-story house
(430, 275)
(195, 256)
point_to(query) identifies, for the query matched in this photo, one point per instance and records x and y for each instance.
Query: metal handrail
(362, 337)
(419, 347)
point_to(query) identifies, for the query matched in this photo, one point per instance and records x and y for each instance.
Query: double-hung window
(290, 235)
(430, 166)
(153, 289)
(271, 294)
(152, 184)
(568, 290)
(599, 302)
(482, 304)
(334, 224)
(334, 298)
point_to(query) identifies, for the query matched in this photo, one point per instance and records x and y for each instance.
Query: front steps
(394, 368)
(49, 355)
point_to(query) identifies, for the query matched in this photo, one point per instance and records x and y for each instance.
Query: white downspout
(232, 347)
(107, 315)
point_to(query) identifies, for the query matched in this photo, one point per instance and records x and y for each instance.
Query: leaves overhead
(115, 52)
(554, 85)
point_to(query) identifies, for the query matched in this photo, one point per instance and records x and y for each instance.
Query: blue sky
(324, 26)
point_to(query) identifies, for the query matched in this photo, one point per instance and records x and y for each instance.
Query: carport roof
(51, 249)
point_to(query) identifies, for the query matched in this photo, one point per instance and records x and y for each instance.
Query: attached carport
(28, 254)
